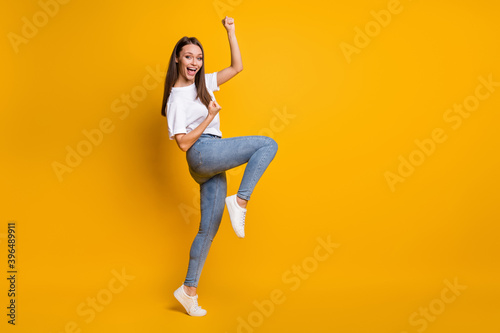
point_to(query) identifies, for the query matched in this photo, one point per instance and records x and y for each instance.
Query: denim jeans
(208, 159)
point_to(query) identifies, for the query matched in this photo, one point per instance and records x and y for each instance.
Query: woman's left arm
(236, 64)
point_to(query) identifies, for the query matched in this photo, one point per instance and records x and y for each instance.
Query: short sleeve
(176, 120)
(211, 81)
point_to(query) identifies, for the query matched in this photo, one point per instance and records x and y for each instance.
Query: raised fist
(228, 23)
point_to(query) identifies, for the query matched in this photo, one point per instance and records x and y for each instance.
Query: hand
(228, 23)
(213, 108)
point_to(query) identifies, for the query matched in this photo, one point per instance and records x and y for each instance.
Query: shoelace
(195, 307)
(243, 219)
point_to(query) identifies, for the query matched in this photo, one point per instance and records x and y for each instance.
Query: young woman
(193, 122)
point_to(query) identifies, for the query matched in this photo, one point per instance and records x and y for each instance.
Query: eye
(200, 59)
(187, 57)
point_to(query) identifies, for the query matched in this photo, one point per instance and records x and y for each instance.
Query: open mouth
(191, 71)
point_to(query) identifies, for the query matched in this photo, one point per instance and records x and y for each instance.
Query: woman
(193, 122)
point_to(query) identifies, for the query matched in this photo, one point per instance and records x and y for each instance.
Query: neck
(183, 82)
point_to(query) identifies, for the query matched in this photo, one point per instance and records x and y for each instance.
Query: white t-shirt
(185, 112)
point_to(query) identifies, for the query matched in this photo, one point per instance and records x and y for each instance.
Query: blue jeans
(208, 159)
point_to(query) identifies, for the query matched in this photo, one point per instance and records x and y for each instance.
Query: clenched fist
(228, 23)
(213, 108)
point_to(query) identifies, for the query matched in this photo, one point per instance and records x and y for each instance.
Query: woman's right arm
(185, 141)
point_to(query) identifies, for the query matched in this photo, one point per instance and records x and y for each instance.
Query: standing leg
(212, 195)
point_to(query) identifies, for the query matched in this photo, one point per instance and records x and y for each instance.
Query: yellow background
(131, 203)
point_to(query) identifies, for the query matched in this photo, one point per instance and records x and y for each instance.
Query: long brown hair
(173, 74)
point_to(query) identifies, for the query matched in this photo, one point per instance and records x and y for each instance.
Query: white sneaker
(190, 303)
(237, 216)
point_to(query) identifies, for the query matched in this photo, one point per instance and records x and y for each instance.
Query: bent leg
(255, 168)
(208, 157)
(212, 195)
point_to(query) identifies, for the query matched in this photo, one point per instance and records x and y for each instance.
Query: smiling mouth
(191, 71)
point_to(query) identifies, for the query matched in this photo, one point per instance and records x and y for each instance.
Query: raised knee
(273, 144)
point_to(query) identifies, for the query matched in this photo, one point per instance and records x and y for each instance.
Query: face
(189, 62)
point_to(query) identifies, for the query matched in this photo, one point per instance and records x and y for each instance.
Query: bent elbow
(182, 146)
(239, 69)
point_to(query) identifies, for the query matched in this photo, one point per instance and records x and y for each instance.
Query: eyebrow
(192, 53)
